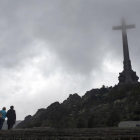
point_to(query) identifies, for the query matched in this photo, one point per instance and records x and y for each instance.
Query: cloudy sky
(52, 48)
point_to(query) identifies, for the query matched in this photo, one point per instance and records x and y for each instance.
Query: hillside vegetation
(104, 107)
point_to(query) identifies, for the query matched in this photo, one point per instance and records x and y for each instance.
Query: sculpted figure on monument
(134, 76)
(121, 77)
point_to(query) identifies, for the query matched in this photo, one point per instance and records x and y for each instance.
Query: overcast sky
(52, 48)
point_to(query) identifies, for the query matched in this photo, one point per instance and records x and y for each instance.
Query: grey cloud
(77, 30)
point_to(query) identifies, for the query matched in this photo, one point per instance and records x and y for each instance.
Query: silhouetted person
(3, 116)
(11, 115)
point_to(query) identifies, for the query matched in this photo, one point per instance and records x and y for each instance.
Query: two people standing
(11, 117)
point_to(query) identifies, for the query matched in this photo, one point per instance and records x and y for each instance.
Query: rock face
(104, 107)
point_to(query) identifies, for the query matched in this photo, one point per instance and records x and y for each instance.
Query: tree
(90, 122)
(81, 123)
(113, 118)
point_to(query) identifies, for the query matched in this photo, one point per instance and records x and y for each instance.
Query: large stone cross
(128, 75)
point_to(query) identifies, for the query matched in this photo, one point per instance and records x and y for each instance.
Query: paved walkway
(71, 134)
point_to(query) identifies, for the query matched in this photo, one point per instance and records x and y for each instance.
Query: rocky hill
(102, 107)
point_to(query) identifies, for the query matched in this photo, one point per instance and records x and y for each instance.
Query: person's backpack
(0, 115)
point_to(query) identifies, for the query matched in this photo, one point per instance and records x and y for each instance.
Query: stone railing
(71, 134)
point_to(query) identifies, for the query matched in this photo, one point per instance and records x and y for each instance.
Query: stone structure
(127, 75)
(129, 124)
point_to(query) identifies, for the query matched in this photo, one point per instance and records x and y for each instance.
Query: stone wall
(71, 134)
(129, 124)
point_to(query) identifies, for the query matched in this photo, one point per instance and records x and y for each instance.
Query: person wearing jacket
(4, 114)
(11, 117)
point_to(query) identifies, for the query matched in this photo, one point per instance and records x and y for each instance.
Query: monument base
(122, 77)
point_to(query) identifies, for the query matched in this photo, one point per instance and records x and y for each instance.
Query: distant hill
(104, 107)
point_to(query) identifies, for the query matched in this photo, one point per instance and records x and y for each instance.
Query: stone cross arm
(122, 27)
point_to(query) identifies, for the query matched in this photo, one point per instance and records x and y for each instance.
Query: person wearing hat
(11, 115)
(2, 116)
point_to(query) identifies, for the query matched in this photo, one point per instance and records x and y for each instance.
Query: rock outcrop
(102, 107)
